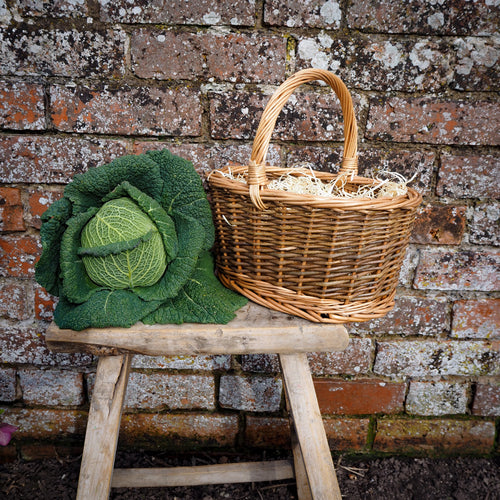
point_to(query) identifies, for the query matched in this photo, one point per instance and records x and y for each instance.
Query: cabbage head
(130, 241)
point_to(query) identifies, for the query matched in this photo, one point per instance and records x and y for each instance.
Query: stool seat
(255, 330)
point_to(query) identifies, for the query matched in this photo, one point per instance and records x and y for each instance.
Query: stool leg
(316, 455)
(102, 427)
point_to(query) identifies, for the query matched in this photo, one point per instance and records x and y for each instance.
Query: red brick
(61, 8)
(437, 398)
(458, 270)
(7, 384)
(476, 319)
(359, 397)
(8, 453)
(46, 424)
(469, 176)
(15, 298)
(255, 393)
(199, 12)
(484, 228)
(22, 106)
(347, 433)
(22, 343)
(181, 430)
(487, 400)
(11, 210)
(18, 255)
(372, 162)
(38, 159)
(51, 387)
(127, 110)
(307, 13)
(45, 304)
(410, 358)
(452, 17)
(410, 316)
(234, 57)
(342, 434)
(39, 201)
(434, 121)
(355, 360)
(475, 64)
(379, 63)
(306, 116)
(68, 53)
(173, 391)
(208, 157)
(439, 225)
(434, 436)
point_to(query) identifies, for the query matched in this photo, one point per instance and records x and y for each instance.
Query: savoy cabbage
(130, 241)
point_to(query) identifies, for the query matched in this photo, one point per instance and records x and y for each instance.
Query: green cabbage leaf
(130, 241)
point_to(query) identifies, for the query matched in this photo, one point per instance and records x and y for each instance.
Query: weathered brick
(487, 400)
(410, 316)
(11, 210)
(379, 63)
(15, 298)
(45, 304)
(372, 162)
(458, 270)
(484, 228)
(46, 424)
(424, 436)
(126, 110)
(199, 12)
(311, 13)
(410, 262)
(164, 390)
(22, 106)
(25, 344)
(342, 434)
(51, 387)
(235, 57)
(475, 64)
(437, 398)
(359, 397)
(476, 319)
(69, 53)
(7, 384)
(200, 362)
(58, 8)
(434, 358)
(256, 393)
(469, 176)
(439, 225)
(40, 199)
(40, 159)
(306, 116)
(18, 255)
(265, 363)
(434, 121)
(206, 158)
(449, 17)
(175, 431)
(354, 360)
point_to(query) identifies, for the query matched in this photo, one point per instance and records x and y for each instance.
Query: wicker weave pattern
(326, 259)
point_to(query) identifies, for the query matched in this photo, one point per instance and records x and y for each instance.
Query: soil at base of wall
(461, 478)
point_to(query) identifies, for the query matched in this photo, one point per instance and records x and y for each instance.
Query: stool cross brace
(255, 330)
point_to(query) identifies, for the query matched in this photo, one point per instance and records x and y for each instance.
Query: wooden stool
(255, 330)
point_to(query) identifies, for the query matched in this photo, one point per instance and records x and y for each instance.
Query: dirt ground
(393, 478)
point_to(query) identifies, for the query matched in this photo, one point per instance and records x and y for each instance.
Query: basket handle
(257, 167)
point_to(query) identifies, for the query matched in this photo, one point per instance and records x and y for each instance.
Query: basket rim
(216, 179)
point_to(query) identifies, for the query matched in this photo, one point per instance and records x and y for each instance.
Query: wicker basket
(329, 260)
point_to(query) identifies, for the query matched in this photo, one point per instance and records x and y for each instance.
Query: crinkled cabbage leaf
(131, 241)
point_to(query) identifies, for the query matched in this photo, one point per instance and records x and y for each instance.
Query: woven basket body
(328, 260)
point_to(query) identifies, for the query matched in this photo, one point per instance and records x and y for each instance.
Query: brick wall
(84, 82)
